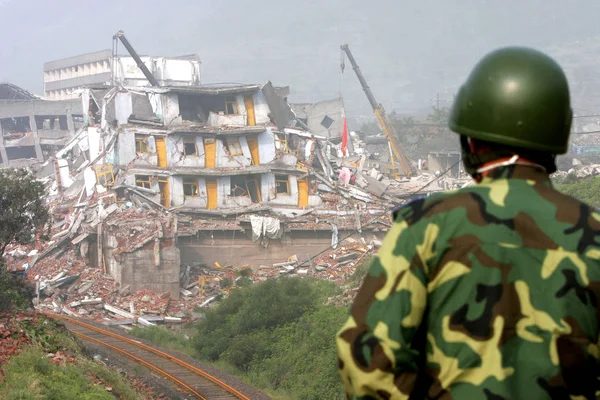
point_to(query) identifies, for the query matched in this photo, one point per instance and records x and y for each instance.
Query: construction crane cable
(384, 213)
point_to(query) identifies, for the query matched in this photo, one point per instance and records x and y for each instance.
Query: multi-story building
(63, 77)
(211, 148)
(33, 129)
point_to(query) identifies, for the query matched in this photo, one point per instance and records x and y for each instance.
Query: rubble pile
(335, 265)
(576, 173)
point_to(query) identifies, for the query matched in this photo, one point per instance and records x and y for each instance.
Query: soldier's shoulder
(423, 207)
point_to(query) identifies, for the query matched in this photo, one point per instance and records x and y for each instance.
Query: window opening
(282, 184)
(231, 106)
(189, 147)
(141, 144)
(235, 149)
(105, 175)
(143, 181)
(190, 187)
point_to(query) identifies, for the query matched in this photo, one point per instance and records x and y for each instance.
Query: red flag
(344, 137)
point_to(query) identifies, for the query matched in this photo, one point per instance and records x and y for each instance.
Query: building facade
(63, 77)
(34, 129)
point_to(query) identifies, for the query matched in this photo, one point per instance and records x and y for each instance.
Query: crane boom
(121, 36)
(384, 122)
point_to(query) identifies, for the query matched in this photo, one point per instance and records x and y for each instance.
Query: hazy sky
(408, 50)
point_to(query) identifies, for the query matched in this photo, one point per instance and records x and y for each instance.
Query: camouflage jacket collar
(515, 171)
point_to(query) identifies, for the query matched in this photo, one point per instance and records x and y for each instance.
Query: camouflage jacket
(488, 292)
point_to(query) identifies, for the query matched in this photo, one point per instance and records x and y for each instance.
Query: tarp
(265, 226)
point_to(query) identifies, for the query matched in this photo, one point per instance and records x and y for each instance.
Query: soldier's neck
(513, 168)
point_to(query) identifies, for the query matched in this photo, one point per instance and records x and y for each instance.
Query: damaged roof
(202, 89)
(8, 91)
(220, 130)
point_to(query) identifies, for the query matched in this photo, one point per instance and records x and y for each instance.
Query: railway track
(187, 376)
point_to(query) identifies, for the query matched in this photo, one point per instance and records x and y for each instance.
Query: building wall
(261, 109)
(175, 151)
(266, 146)
(123, 107)
(138, 270)
(169, 109)
(226, 161)
(178, 198)
(61, 77)
(237, 248)
(168, 72)
(127, 153)
(269, 190)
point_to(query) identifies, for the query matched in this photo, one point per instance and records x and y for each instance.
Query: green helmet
(518, 97)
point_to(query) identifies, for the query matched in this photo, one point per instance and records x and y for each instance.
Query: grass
(30, 375)
(166, 338)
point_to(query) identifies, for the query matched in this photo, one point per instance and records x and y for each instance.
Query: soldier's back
(513, 286)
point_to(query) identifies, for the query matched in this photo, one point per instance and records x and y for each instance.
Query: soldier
(491, 291)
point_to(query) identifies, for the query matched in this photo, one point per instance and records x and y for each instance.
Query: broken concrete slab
(124, 291)
(85, 287)
(347, 257)
(374, 186)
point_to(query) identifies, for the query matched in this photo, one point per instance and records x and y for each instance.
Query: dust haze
(409, 51)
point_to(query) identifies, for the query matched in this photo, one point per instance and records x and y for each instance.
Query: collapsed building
(33, 129)
(228, 161)
(166, 186)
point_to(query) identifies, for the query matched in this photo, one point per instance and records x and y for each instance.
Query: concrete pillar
(36, 138)
(2, 148)
(100, 248)
(70, 123)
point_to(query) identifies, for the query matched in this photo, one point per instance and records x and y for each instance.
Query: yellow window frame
(231, 100)
(105, 175)
(283, 143)
(144, 181)
(279, 179)
(141, 144)
(235, 148)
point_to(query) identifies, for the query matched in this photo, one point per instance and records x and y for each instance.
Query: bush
(586, 190)
(279, 334)
(303, 358)
(15, 294)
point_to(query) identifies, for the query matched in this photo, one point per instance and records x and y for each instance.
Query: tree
(439, 116)
(22, 205)
(15, 293)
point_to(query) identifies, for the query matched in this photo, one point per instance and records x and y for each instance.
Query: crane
(121, 36)
(382, 119)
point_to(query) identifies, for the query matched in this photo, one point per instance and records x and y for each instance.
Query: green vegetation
(22, 201)
(586, 190)
(14, 292)
(23, 213)
(166, 338)
(277, 335)
(31, 374)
